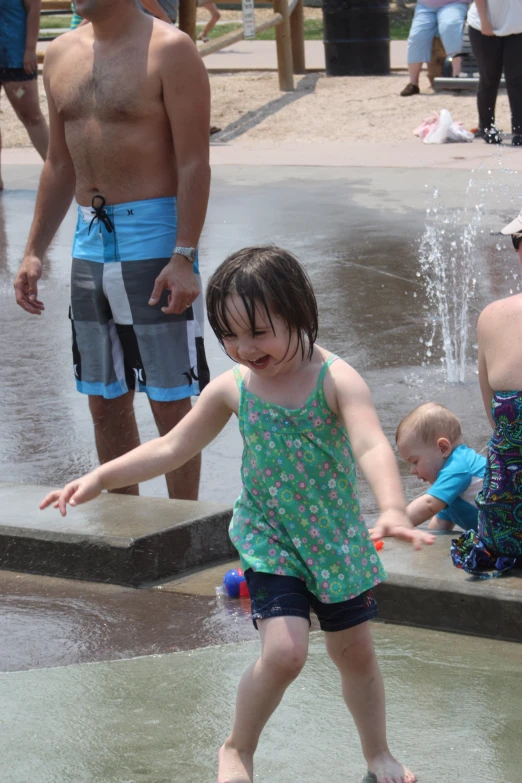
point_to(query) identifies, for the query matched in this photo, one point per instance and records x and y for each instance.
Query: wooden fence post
(284, 47)
(297, 33)
(187, 17)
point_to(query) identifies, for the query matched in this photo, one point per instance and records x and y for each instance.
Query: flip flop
(369, 778)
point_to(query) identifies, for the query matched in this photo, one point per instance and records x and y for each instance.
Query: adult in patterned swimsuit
(19, 27)
(131, 143)
(498, 545)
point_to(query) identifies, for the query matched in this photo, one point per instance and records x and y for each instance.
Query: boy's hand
(79, 491)
(396, 524)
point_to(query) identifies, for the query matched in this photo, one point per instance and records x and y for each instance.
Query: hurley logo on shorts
(262, 594)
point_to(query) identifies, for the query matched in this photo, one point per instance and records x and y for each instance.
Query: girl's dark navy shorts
(272, 595)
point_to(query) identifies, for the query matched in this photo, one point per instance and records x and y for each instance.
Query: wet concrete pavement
(453, 701)
(453, 715)
(356, 231)
(47, 622)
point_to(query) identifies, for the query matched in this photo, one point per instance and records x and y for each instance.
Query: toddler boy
(430, 440)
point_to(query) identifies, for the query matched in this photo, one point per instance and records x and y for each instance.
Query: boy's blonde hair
(429, 422)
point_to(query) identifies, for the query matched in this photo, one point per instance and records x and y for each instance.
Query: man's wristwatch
(188, 252)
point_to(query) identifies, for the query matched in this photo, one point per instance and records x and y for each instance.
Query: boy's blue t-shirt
(457, 484)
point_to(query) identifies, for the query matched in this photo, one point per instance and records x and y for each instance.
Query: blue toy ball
(234, 583)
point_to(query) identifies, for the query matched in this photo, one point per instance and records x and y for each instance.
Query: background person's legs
(513, 73)
(284, 651)
(450, 22)
(215, 16)
(23, 97)
(422, 32)
(362, 686)
(182, 483)
(488, 52)
(115, 430)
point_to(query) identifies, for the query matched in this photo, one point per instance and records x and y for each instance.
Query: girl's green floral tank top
(298, 513)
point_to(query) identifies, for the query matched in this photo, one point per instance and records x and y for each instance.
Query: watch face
(188, 252)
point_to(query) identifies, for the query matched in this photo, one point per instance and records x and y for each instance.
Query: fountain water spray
(447, 252)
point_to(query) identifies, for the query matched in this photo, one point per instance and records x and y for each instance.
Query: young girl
(305, 416)
(498, 545)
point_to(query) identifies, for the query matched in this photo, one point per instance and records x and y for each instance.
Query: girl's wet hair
(271, 279)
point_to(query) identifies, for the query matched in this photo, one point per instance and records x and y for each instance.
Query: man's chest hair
(113, 90)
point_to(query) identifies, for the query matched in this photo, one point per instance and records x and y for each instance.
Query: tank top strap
(238, 376)
(324, 369)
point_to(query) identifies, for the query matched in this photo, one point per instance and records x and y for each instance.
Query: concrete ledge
(122, 540)
(424, 589)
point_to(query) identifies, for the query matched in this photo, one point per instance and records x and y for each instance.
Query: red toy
(378, 544)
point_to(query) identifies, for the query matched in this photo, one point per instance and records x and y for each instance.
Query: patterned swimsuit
(298, 513)
(498, 544)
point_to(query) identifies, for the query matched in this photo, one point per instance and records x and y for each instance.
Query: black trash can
(356, 37)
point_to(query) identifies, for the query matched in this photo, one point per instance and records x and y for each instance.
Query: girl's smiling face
(270, 349)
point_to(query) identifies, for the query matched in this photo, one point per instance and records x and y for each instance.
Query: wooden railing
(288, 20)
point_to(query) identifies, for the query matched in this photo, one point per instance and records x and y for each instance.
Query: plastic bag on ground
(440, 128)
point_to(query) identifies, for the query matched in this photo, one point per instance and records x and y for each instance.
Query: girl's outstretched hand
(397, 524)
(79, 491)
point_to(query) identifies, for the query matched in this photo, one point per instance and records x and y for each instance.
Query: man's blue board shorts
(120, 342)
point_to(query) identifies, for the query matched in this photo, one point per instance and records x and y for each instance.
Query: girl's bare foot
(234, 767)
(385, 769)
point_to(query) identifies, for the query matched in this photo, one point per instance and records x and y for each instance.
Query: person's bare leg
(362, 687)
(284, 650)
(414, 70)
(183, 483)
(115, 430)
(456, 66)
(215, 16)
(1, 180)
(23, 97)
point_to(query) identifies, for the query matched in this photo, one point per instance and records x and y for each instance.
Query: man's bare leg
(23, 97)
(115, 430)
(284, 650)
(183, 483)
(363, 691)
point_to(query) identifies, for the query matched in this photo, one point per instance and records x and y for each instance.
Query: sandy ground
(321, 109)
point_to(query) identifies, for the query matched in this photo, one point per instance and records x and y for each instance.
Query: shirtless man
(129, 111)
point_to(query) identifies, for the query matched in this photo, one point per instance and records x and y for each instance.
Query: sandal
(410, 89)
(203, 38)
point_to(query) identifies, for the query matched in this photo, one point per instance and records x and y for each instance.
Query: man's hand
(396, 524)
(30, 60)
(26, 285)
(76, 492)
(179, 279)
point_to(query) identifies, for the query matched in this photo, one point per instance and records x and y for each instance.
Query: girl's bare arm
(374, 455)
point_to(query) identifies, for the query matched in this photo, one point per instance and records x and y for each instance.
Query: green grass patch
(220, 29)
(61, 21)
(399, 30)
(399, 27)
